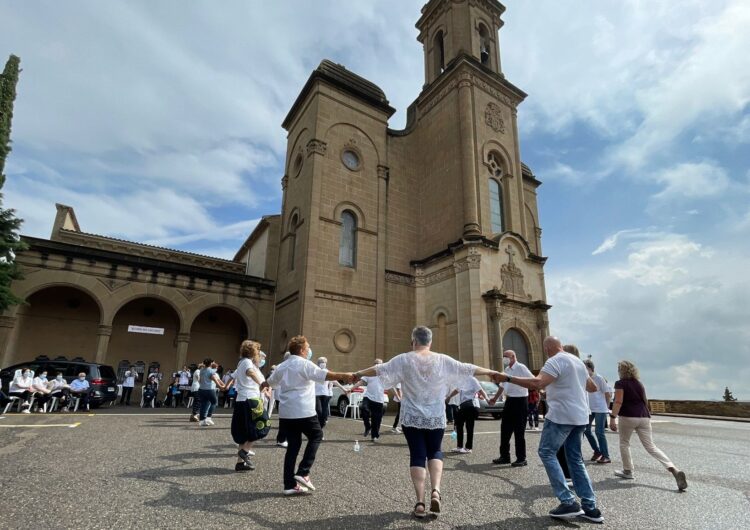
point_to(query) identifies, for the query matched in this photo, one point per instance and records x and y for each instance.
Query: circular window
(344, 341)
(297, 167)
(351, 159)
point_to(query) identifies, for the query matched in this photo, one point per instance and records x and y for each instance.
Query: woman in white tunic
(426, 378)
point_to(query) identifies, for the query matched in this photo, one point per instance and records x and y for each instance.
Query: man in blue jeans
(599, 407)
(566, 380)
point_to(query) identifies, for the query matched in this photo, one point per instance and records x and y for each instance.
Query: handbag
(259, 422)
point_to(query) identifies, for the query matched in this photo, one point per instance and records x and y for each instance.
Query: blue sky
(160, 122)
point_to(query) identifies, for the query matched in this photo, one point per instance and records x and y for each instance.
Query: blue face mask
(309, 354)
(262, 363)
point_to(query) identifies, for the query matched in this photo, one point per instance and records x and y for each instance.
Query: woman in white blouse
(426, 378)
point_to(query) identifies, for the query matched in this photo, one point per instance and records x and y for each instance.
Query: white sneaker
(203, 423)
(251, 453)
(209, 421)
(622, 474)
(296, 490)
(283, 444)
(304, 482)
(464, 451)
(26, 411)
(457, 449)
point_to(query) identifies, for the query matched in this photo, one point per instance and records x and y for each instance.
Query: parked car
(339, 400)
(101, 377)
(496, 410)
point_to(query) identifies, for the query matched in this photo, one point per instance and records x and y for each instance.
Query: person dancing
(297, 411)
(425, 377)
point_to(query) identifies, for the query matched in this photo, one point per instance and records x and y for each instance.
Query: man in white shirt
(372, 404)
(297, 416)
(599, 407)
(515, 411)
(128, 382)
(567, 382)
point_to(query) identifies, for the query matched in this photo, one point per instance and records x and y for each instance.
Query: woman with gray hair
(631, 406)
(426, 378)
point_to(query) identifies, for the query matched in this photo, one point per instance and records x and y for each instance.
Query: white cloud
(692, 181)
(671, 306)
(610, 242)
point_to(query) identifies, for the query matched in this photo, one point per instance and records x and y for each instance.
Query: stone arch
(438, 311)
(519, 241)
(33, 283)
(217, 332)
(149, 310)
(493, 145)
(60, 319)
(347, 205)
(358, 130)
(138, 290)
(532, 339)
(531, 227)
(296, 146)
(209, 302)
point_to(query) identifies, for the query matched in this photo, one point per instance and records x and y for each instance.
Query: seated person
(3, 399)
(80, 388)
(41, 392)
(60, 389)
(150, 391)
(20, 387)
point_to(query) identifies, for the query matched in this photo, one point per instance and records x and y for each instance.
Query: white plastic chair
(52, 404)
(13, 400)
(355, 398)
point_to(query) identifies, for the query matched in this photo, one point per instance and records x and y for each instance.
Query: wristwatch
(509, 378)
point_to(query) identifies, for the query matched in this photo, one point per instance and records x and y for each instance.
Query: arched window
(484, 45)
(438, 50)
(496, 206)
(514, 340)
(293, 240)
(348, 242)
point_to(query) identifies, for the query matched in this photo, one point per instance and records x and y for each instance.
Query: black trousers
(84, 397)
(465, 416)
(515, 412)
(398, 414)
(372, 415)
(126, 392)
(294, 429)
(322, 409)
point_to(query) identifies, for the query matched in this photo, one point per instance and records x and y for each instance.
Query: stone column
(183, 341)
(7, 326)
(496, 353)
(468, 156)
(102, 345)
(383, 176)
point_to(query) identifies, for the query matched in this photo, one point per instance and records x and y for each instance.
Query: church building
(379, 230)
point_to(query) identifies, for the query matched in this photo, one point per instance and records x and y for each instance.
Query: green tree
(728, 395)
(10, 242)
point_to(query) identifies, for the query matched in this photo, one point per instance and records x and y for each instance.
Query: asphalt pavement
(129, 468)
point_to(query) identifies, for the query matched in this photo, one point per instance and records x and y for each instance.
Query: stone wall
(704, 408)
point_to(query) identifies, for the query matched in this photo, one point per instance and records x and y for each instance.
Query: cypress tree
(10, 242)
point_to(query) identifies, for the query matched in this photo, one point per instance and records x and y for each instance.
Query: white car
(339, 400)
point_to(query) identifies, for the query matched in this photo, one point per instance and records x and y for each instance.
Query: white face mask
(506, 362)
(59, 378)
(43, 377)
(82, 378)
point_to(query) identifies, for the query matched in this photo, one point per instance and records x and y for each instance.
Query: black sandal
(423, 513)
(435, 501)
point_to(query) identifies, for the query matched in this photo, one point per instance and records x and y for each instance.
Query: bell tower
(451, 28)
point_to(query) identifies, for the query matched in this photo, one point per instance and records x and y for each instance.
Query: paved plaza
(128, 468)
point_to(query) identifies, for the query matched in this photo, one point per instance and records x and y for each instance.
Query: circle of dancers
(422, 382)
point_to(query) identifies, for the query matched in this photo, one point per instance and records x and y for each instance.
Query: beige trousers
(642, 427)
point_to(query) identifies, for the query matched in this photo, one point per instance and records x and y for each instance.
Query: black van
(101, 377)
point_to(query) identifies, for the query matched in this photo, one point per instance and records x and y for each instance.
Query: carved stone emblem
(511, 276)
(493, 117)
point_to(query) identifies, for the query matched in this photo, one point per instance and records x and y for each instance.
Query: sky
(160, 122)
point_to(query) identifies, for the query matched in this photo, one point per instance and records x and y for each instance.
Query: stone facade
(426, 251)
(380, 230)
